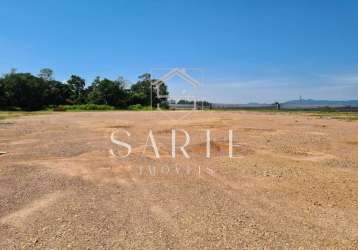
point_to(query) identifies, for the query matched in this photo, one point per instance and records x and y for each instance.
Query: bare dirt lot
(294, 183)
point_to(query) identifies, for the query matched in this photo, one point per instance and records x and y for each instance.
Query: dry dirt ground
(294, 183)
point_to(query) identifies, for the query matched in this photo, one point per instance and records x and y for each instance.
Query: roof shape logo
(179, 72)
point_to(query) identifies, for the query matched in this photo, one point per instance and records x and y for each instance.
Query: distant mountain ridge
(303, 103)
(312, 102)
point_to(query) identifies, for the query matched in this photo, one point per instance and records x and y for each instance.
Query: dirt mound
(219, 149)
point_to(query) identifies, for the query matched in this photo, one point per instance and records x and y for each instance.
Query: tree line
(36, 92)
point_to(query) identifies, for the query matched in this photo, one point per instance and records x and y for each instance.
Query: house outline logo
(179, 72)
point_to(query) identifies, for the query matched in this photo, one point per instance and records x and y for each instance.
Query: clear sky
(249, 51)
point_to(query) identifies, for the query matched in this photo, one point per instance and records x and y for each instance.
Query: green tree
(105, 91)
(29, 92)
(3, 99)
(144, 93)
(57, 93)
(46, 74)
(77, 87)
(24, 90)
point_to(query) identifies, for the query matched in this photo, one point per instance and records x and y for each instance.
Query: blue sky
(249, 51)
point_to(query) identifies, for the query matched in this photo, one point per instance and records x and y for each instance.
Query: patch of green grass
(138, 107)
(264, 110)
(347, 116)
(5, 115)
(83, 107)
(326, 113)
(14, 114)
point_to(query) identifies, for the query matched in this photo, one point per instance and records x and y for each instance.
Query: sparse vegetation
(324, 113)
(83, 107)
(347, 116)
(138, 107)
(14, 114)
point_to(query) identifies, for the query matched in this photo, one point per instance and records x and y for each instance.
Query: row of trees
(30, 92)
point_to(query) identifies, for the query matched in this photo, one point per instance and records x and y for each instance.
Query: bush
(83, 107)
(138, 107)
(135, 107)
(5, 108)
(59, 108)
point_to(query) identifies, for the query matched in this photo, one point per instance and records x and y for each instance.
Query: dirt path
(294, 183)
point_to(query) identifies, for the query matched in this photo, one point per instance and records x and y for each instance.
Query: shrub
(59, 108)
(83, 107)
(139, 107)
(135, 107)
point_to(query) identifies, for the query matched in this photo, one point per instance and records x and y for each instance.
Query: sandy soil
(294, 183)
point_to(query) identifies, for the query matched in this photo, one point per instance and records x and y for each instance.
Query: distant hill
(311, 102)
(304, 103)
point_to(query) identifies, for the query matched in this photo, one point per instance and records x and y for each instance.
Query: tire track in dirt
(158, 211)
(274, 213)
(306, 156)
(19, 218)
